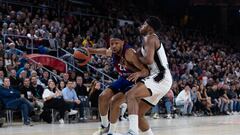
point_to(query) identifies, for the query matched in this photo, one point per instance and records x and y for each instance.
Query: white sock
(112, 128)
(148, 132)
(133, 123)
(104, 120)
(123, 109)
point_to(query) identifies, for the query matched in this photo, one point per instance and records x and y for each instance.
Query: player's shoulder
(151, 38)
(130, 51)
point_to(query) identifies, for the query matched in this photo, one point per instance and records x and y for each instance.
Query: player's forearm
(145, 61)
(101, 51)
(144, 73)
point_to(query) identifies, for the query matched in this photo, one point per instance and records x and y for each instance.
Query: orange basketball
(82, 56)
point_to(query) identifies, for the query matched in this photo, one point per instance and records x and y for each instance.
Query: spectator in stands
(14, 61)
(26, 68)
(4, 28)
(45, 78)
(14, 80)
(232, 96)
(55, 78)
(52, 100)
(194, 97)
(81, 90)
(82, 94)
(225, 102)
(39, 69)
(86, 78)
(236, 104)
(72, 76)
(62, 85)
(70, 96)
(168, 103)
(70, 47)
(7, 60)
(204, 102)
(37, 92)
(35, 74)
(184, 99)
(87, 42)
(156, 111)
(26, 90)
(22, 60)
(94, 92)
(21, 45)
(12, 50)
(101, 43)
(22, 76)
(65, 77)
(12, 100)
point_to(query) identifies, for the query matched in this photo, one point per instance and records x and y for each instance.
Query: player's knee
(104, 97)
(114, 102)
(130, 95)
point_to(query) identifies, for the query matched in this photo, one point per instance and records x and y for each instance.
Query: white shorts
(157, 89)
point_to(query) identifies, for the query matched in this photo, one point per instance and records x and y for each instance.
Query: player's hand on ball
(134, 77)
(109, 52)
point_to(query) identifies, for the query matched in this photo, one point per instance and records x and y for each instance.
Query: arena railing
(35, 63)
(89, 68)
(29, 43)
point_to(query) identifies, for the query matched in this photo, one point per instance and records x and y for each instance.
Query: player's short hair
(154, 22)
(117, 36)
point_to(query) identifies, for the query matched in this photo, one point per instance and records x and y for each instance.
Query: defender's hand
(134, 77)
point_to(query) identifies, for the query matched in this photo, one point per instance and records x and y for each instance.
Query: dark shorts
(121, 85)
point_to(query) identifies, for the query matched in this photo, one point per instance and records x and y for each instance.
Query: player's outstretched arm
(100, 51)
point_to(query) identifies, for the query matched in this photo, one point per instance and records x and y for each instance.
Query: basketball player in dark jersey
(125, 62)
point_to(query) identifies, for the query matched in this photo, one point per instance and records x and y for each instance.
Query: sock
(112, 128)
(148, 132)
(133, 123)
(104, 120)
(123, 109)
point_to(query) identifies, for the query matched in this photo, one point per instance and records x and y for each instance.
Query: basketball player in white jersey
(153, 87)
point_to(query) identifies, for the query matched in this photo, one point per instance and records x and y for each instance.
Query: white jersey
(160, 63)
(159, 81)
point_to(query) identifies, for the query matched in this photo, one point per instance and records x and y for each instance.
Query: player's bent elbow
(149, 61)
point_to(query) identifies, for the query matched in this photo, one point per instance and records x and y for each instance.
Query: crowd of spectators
(206, 74)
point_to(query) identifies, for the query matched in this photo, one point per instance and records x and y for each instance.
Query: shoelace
(130, 132)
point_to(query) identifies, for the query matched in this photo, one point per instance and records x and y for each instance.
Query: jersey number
(121, 67)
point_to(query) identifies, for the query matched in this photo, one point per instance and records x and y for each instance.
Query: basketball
(81, 56)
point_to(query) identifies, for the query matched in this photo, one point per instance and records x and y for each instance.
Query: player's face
(144, 28)
(116, 45)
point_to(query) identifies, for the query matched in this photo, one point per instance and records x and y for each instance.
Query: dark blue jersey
(119, 63)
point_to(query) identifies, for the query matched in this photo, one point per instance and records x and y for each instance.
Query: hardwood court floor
(215, 125)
